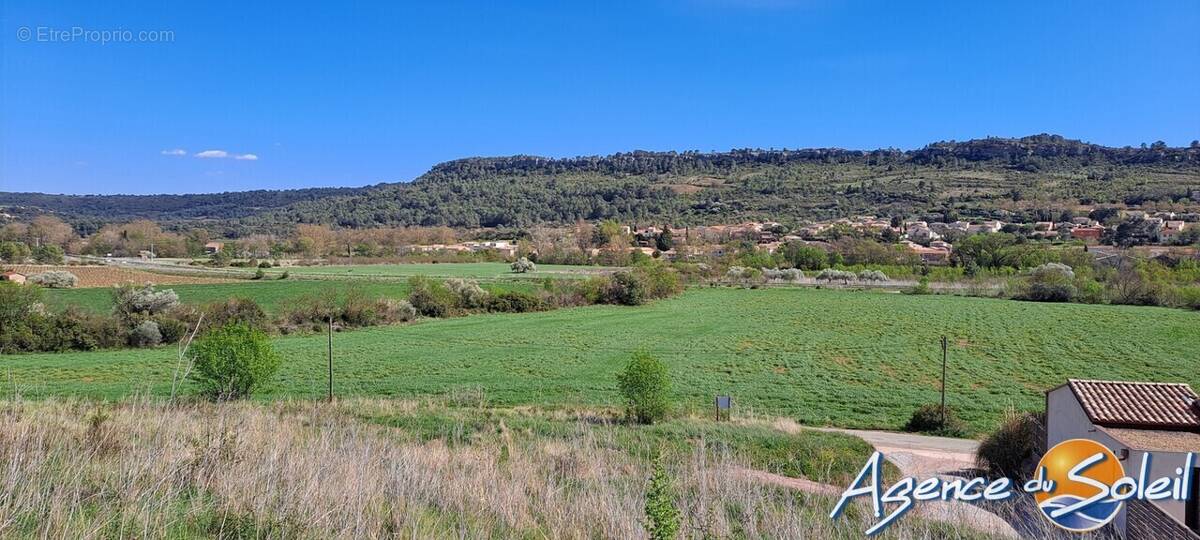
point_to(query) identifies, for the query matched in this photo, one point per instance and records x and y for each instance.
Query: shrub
(514, 302)
(233, 362)
(172, 329)
(131, 301)
(356, 309)
(145, 334)
(48, 254)
(430, 298)
(785, 275)
(467, 293)
(662, 516)
(523, 265)
(259, 274)
(661, 280)
(928, 419)
(645, 384)
(737, 273)
(1005, 451)
(392, 310)
(264, 264)
(922, 287)
(1052, 282)
(312, 310)
(829, 275)
(234, 311)
(284, 275)
(623, 288)
(55, 279)
(1189, 297)
(872, 275)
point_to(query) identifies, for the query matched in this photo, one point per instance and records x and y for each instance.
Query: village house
(812, 231)
(13, 277)
(931, 255)
(990, 226)
(1172, 229)
(1132, 419)
(211, 248)
(921, 233)
(1087, 234)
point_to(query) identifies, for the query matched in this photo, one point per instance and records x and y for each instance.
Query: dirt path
(918, 456)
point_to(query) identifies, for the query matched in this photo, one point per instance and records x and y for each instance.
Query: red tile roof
(1138, 404)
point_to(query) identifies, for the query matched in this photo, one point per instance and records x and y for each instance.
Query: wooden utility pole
(944, 346)
(331, 358)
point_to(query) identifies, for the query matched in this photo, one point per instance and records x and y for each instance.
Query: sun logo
(1077, 485)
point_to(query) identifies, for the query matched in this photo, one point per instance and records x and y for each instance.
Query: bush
(922, 287)
(356, 309)
(172, 329)
(55, 279)
(523, 265)
(661, 280)
(145, 334)
(264, 264)
(829, 275)
(1052, 282)
(928, 419)
(467, 293)
(872, 275)
(392, 310)
(1004, 452)
(635, 287)
(646, 387)
(514, 302)
(48, 254)
(259, 274)
(662, 516)
(235, 311)
(284, 275)
(233, 362)
(623, 288)
(786, 275)
(430, 298)
(131, 301)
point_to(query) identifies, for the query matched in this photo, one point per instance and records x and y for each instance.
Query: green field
(270, 294)
(823, 357)
(485, 270)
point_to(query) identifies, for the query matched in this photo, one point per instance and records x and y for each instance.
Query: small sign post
(724, 403)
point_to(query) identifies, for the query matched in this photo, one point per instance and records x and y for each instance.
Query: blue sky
(355, 93)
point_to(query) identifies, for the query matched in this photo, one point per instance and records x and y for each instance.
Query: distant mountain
(982, 177)
(85, 210)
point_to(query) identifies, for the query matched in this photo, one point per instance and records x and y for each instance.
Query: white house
(1132, 419)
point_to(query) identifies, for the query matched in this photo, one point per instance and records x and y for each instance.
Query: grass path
(851, 359)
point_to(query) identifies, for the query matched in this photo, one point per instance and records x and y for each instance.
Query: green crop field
(854, 359)
(485, 270)
(270, 294)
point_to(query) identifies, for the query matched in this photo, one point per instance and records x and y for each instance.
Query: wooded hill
(983, 177)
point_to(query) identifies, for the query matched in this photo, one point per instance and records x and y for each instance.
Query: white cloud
(174, 152)
(213, 154)
(246, 157)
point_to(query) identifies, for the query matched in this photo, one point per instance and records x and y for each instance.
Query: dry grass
(107, 276)
(76, 469)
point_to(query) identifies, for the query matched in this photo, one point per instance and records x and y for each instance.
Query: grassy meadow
(853, 359)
